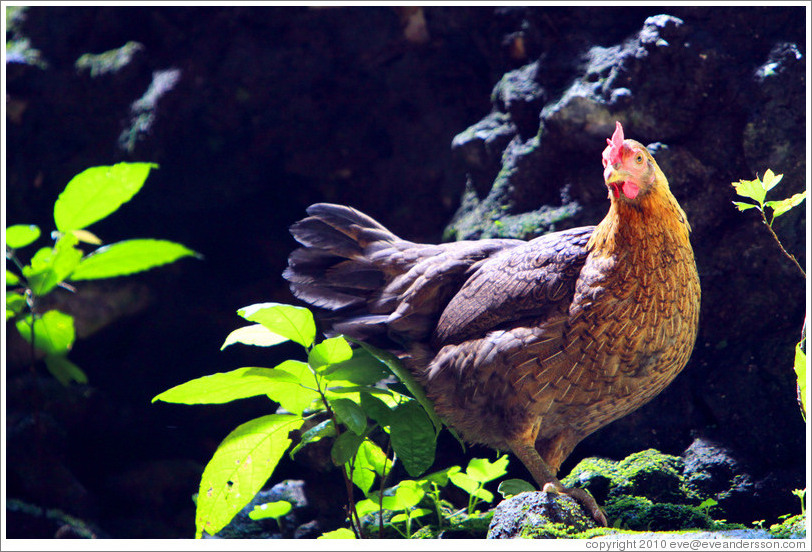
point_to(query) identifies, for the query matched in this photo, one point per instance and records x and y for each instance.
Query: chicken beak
(619, 181)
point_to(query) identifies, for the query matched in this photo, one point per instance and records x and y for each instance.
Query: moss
(791, 528)
(641, 514)
(108, 62)
(649, 473)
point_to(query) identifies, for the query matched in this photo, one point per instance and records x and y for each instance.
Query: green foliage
(336, 394)
(88, 198)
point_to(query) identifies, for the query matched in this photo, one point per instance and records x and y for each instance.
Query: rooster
(527, 346)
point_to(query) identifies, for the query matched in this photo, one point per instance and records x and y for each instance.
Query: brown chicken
(527, 346)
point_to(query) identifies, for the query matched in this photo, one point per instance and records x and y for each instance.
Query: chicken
(527, 346)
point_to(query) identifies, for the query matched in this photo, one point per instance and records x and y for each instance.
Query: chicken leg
(548, 482)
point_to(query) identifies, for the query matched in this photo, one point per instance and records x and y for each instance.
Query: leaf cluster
(357, 397)
(89, 197)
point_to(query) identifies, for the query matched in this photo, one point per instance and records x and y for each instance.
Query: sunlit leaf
(413, 438)
(256, 334)
(342, 533)
(11, 278)
(784, 205)
(330, 351)
(53, 331)
(128, 257)
(97, 192)
(464, 482)
(441, 477)
(20, 235)
(64, 370)
(512, 487)
(15, 303)
(344, 447)
(299, 396)
(239, 468)
(274, 510)
(752, 189)
(483, 471)
(408, 494)
(800, 372)
(770, 180)
(295, 323)
(225, 387)
(50, 266)
(350, 414)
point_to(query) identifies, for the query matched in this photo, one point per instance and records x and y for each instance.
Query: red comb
(612, 153)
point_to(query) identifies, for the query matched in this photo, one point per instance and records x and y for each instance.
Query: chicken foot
(548, 482)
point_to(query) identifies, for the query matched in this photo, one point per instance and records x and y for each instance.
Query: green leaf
(275, 510)
(376, 409)
(350, 414)
(408, 494)
(314, 434)
(64, 370)
(800, 372)
(752, 189)
(97, 192)
(345, 447)
(464, 482)
(50, 266)
(53, 332)
(362, 369)
(483, 471)
(370, 461)
(15, 303)
(256, 334)
(441, 477)
(413, 438)
(741, 206)
(128, 257)
(483, 494)
(299, 396)
(342, 533)
(770, 180)
(20, 235)
(295, 323)
(330, 351)
(240, 467)
(784, 205)
(512, 487)
(406, 378)
(226, 386)
(11, 278)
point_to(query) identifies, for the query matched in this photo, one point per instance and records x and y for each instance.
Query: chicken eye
(638, 159)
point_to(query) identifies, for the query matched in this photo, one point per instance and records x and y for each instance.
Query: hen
(527, 346)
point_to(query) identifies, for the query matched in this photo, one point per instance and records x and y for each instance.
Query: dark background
(277, 108)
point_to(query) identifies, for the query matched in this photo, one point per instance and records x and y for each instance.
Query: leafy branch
(89, 197)
(757, 191)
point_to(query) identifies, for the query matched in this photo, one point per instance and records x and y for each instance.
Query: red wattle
(630, 189)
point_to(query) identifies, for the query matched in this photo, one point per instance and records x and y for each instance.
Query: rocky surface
(473, 122)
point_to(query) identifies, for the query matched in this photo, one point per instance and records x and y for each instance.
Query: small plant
(335, 394)
(756, 190)
(89, 197)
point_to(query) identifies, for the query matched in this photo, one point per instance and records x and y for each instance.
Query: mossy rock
(791, 528)
(641, 514)
(649, 473)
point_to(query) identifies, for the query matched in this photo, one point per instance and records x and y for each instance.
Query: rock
(538, 515)
(291, 525)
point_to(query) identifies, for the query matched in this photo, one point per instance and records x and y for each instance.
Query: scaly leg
(548, 482)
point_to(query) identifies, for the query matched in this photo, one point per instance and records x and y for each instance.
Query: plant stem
(784, 251)
(352, 513)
